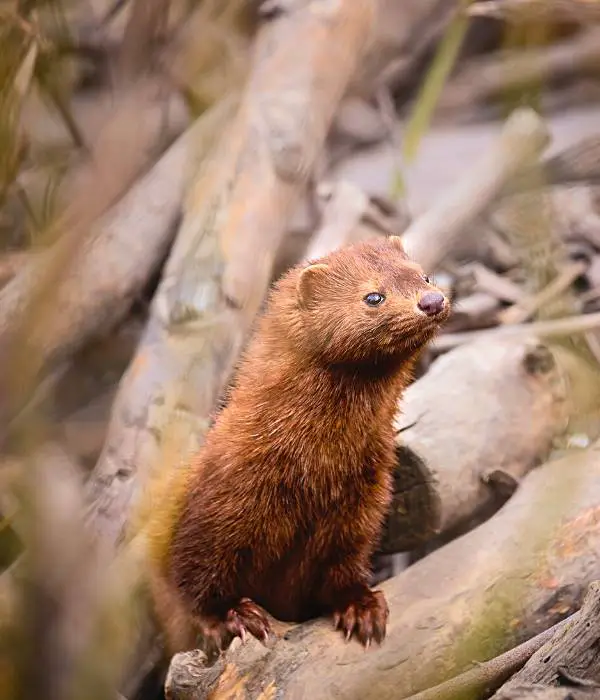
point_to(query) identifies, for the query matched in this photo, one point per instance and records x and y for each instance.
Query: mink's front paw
(248, 617)
(363, 614)
(243, 618)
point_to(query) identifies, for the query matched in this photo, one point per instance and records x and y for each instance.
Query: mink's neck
(377, 369)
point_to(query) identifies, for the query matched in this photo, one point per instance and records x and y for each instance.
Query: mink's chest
(345, 524)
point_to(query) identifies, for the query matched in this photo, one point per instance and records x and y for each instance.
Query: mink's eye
(426, 278)
(374, 299)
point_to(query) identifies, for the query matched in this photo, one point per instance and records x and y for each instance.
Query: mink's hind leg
(226, 621)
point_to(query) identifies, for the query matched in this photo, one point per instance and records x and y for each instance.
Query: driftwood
(502, 583)
(462, 437)
(219, 269)
(570, 656)
(432, 236)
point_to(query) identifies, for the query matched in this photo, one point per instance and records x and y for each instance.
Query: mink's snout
(431, 303)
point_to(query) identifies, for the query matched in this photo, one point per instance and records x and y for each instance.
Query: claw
(364, 615)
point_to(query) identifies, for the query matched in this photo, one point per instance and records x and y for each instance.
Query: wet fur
(285, 502)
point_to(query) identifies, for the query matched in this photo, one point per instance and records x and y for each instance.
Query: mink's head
(365, 302)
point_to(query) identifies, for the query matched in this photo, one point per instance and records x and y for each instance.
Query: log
(462, 436)
(344, 207)
(572, 653)
(509, 579)
(219, 268)
(433, 235)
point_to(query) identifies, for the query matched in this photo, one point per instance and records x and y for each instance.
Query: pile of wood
(190, 175)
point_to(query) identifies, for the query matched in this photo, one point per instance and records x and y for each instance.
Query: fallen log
(509, 579)
(462, 437)
(570, 656)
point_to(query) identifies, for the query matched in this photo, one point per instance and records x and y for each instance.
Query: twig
(490, 674)
(542, 329)
(525, 309)
(434, 234)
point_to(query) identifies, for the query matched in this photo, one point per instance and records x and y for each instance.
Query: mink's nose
(431, 303)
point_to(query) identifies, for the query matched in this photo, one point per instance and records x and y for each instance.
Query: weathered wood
(571, 653)
(507, 580)
(463, 430)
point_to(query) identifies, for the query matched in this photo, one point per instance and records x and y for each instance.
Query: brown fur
(284, 504)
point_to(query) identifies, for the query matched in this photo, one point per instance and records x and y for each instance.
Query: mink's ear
(396, 241)
(309, 282)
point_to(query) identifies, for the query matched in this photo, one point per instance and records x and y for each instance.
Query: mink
(282, 508)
